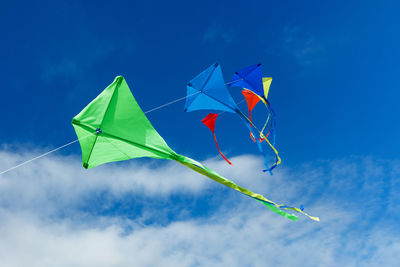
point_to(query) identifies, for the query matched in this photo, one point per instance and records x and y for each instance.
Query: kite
(251, 100)
(208, 91)
(209, 121)
(255, 86)
(113, 127)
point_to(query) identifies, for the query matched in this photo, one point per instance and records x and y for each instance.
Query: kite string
(238, 103)
(172, 102)
(229, 83)
(44, 154)
(72, 142)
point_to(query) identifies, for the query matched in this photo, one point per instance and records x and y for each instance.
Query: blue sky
(335, 90)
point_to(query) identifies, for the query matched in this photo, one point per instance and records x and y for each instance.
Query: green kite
(114, 128)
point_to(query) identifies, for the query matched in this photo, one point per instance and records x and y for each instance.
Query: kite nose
(98, 131)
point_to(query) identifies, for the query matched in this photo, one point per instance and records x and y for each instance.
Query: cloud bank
(147, 213)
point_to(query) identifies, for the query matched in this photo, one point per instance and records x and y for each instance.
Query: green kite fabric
(125, 130)
(114, 128)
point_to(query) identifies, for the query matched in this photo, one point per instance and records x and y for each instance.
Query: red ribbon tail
(252, 137)
(251, 134)
(215, 139)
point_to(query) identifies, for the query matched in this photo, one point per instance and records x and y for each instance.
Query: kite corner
(118, 78)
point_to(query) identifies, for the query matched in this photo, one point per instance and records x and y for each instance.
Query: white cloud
(348, 196)
(64, 176)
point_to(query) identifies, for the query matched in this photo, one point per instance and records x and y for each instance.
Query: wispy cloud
(354, 198)
(72, 64)
(216, 33)
(304, 47)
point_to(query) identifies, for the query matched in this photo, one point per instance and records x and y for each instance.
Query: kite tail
(273, 123)
(265, 125)
(247, 122)
(251, 134)
(273, 127)
(272, 133)
(215, 139)
(300, 210)
(277, 158)
(200, 168)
